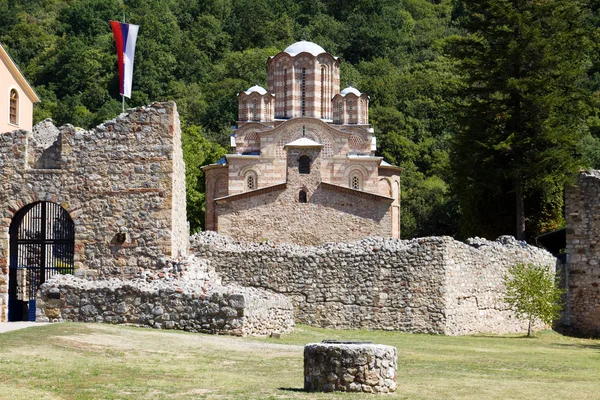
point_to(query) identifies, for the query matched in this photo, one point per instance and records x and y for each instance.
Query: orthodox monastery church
(303, 168)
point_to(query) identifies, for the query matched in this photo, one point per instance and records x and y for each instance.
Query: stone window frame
(250, 180)
(255, 110)
(285, 92)
(340, 108)
(355, 181)
(13, 106)
(356, 175)
(304, 165)
(302, 196)
(323, 76)
(351, 112)
(244, 116)
(303, 92)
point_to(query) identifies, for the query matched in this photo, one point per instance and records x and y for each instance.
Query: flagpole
(122, 95)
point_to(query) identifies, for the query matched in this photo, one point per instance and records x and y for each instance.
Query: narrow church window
(254, 110)
(250, 182)
(355, 182)
(302, 196)
(322, 92)
(303, 91)
(350, 112)
(341, 112)
(244, 111)
(304, 165)
(285, 93)
(14, 106)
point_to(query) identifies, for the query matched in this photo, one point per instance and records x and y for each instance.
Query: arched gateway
(42, 243)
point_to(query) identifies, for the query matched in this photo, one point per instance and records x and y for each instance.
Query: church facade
(303, 168)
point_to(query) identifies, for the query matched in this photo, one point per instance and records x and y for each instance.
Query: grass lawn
(97, 361)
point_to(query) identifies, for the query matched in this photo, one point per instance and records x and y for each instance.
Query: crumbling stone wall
(123, 179)
(425, 285)
(186, 294)
(582, 214)
(184, 305)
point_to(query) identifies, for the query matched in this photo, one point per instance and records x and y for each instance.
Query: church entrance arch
(42, 244)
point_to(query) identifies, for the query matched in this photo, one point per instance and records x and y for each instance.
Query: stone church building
(303, 168)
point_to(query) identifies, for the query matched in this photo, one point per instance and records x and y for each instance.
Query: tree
(521, 113)
(532, 292)
(197, 152)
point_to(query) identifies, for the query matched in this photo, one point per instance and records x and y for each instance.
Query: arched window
(303, 91)
(251, 180)
(254, 110)
(302, 196)
(304, 165)
(341, 112)
(322, 92)
(350, 112)
(355, 182)
(285, 94)
(14, 107)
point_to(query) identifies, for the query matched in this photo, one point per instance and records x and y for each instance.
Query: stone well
(350, 367)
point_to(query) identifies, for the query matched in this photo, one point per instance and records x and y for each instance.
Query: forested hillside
(408, 55)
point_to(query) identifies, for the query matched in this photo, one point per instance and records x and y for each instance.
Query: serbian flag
(125, 36)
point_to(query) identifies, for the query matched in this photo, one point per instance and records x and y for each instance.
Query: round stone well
(349, 366)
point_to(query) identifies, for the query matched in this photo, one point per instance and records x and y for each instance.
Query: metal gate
(42, 244)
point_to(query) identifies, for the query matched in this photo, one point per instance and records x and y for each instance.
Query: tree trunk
(520, 206)
(529, 327)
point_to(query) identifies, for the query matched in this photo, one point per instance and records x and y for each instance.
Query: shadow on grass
(301, 390)
(578, 345)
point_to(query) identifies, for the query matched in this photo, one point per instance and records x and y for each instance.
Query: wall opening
(14, 107)
(42, 244)
(302, 197)
(304, 165)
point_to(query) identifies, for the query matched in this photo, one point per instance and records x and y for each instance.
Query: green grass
(96, 361)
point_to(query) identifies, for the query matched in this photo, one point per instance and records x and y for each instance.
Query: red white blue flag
(125, 37)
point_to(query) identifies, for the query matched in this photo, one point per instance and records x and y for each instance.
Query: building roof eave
(250, 193)
(18, 75)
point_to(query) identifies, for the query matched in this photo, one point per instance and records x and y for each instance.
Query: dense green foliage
(520, 114)
(201, 53)
(533, 293)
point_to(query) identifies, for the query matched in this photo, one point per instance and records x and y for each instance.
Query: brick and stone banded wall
(369, 368)
(189, 306)
(424, 285)
(582, 275)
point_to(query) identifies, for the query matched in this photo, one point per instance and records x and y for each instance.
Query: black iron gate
(42, 244)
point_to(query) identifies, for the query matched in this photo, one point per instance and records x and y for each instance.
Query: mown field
(96, 361)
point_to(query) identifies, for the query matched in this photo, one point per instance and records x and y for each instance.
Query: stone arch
(42, 244)
(384, 187)
(354, 172)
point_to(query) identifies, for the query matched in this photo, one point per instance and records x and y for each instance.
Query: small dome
(304, 46)
(350, 89)
(256, 88)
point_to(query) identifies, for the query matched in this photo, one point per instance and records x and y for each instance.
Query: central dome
(304, 46)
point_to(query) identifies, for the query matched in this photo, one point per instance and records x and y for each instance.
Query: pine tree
(520, 115)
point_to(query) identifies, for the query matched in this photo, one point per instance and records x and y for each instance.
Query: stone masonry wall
(125, 178)
(424, 285)
(195, 306)
(582, 275)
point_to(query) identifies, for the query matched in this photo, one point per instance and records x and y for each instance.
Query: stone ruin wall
(425, 285)
(582, 274)
(185, 295)
(125, 176)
